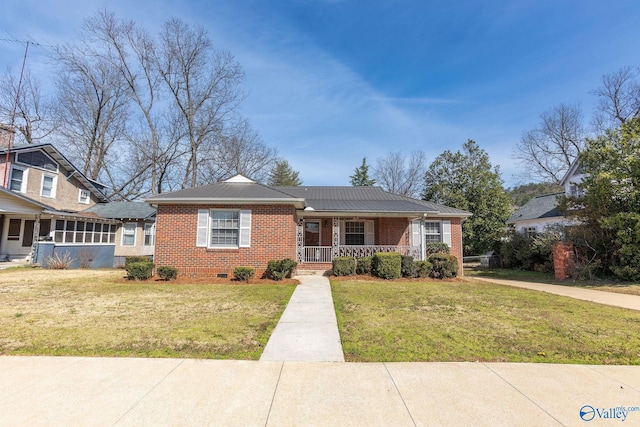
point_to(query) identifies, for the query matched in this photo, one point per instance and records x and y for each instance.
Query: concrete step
(311, 272)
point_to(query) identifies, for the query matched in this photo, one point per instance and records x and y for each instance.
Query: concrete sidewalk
(308, 329)
(72, 391)
(608, 298)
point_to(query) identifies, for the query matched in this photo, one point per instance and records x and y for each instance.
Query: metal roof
(123, 210)
(319, 199)
(539, 207)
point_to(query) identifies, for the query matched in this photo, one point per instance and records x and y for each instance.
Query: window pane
(354, 233)
(14, 229)
(225, 228)
(47, 186)
(16, 180)
(432, 232)
(129, 233)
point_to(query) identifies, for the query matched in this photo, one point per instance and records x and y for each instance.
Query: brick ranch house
(210, 230)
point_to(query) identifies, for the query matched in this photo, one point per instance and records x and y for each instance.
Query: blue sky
(331, 81)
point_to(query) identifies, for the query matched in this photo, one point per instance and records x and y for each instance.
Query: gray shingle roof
(121, 210)
(539, 207)
(319, 198)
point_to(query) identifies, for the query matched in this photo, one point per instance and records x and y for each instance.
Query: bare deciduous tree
(92, 104)
(545, 153)
(398, 176)
(33, 119)
(204, 86)
(619, 99)
(241, 151)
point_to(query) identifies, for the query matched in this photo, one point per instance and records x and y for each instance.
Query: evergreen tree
(360, 175)
(466, 180)
(282, 174)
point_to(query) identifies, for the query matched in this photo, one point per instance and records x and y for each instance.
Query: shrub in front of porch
(444, 266)
(423, 268)
(364, 265)
(344, 266)
(387, 265)
(279, 269)
(408, 267)
(436, 248)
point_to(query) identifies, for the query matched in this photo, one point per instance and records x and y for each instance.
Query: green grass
(607, 285)
(96, 313)
(478, 321)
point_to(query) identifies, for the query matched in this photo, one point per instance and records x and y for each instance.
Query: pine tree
(360, 175)
(282, 174)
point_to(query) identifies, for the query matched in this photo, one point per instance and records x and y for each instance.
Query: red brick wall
(456, 241)
(392, 232)
(273, 236)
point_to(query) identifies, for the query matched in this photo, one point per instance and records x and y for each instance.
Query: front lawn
(460, 320)
(97, 313)
(607, 285)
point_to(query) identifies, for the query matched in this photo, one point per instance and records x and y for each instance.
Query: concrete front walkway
(601, 297)
(307, 330)
(74, 391)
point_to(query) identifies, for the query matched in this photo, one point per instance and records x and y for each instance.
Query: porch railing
(323, 254)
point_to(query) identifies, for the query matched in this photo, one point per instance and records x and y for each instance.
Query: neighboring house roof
(95, 187)
(539, 207)
(320, 199)
(122, 210)
(574, 169)
(24, 198)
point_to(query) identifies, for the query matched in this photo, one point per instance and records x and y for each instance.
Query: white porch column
(335, 237)
(300, 241)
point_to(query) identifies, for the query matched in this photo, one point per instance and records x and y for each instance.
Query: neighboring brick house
(212, 229)
(136, 228)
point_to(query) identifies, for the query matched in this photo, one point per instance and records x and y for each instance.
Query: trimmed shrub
(408, 266)
(364, 265)
(167, 273)
(279, 269)
(131, 259)
(436, 248)
(444, 266)
(243, 274)
(344, 266)
(387, 265)
(140, 270)
(423, 268)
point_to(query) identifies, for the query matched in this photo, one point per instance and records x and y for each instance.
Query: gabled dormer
(572, 180)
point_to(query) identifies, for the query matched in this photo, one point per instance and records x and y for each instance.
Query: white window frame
(444, 227)
(84, 200)
(368, 226)
(126, 233)
(149, 230)
(23, 183)
(204, 228)
(54, 184)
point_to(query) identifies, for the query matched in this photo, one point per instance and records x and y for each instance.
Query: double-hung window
(129, 234)
(149, 234)
(354, 233)
(48, 186)
(83, 196)
(18, 180)
(224, 228)
(432, 232)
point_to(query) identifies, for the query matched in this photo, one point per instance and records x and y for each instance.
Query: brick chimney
(7, 134)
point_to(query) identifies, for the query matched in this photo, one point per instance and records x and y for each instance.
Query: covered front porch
(320, 240)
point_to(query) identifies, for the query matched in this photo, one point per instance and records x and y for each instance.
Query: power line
(31, 42)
